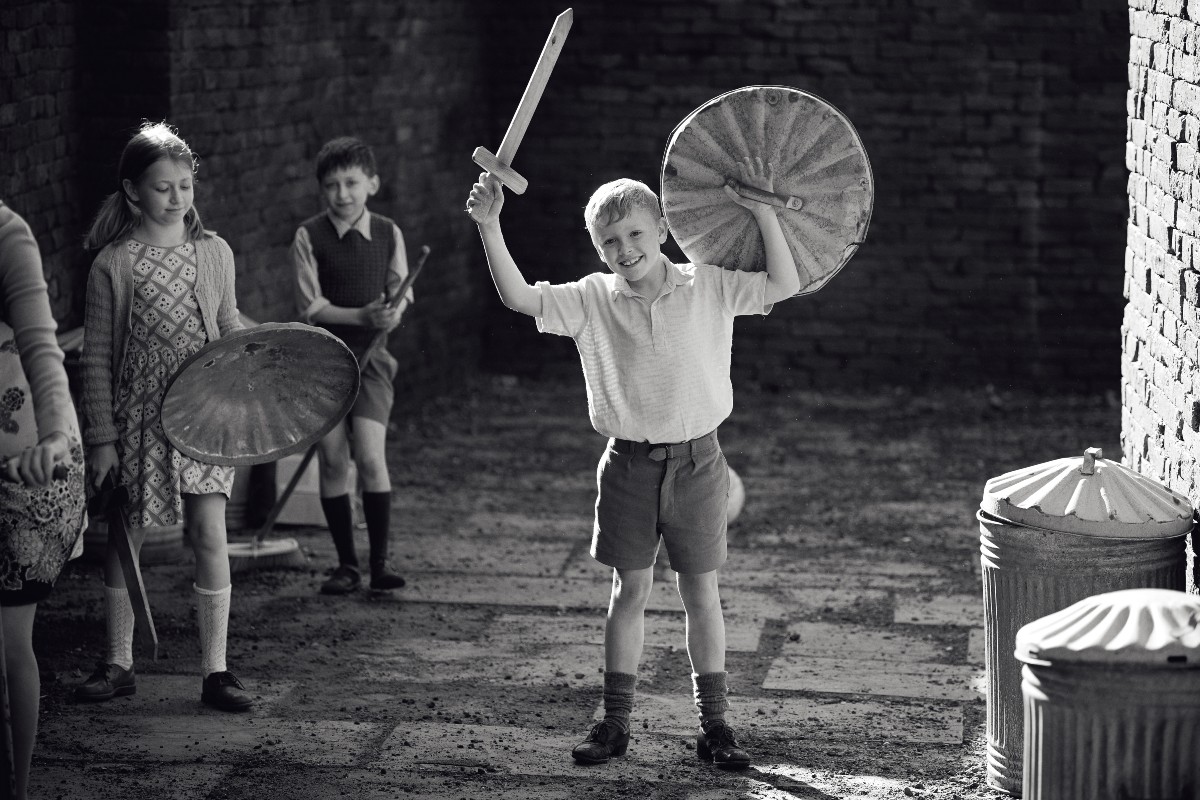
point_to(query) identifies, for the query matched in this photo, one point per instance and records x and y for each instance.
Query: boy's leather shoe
(606, 739)
(716, 743)
(344, 580)
(224, 691)
(106, 682)
(386, 581)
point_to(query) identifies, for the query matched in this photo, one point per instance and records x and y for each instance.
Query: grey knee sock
(618, 697)
(710, 692)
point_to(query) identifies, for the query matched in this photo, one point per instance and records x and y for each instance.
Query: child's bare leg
(333, 458)
(24, 689)
(370, 454)
(705, 621)
(706, 648)
(624, 635)
(206, 527)
(625, 629)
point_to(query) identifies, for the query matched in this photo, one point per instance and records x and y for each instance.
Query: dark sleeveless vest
(352, 270)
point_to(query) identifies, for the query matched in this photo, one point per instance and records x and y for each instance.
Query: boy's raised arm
(783, 280)
(484, 204)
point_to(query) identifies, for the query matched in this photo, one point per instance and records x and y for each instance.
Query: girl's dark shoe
(344, 580)
(224, 691)
(106, 682)
(716, 743)
(606, 739)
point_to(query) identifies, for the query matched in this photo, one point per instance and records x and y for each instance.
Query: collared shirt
(309, 299)
(655, 371)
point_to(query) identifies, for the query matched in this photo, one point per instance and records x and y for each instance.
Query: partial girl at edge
(160, 289)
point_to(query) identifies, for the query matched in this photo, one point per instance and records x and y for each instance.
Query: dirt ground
(475, 679)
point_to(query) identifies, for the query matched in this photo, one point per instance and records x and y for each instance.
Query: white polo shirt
(655, 371)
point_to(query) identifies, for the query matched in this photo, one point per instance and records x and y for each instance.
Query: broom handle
(276, 509)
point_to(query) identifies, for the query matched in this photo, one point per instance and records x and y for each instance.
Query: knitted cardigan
(26, 308)
(108, 323)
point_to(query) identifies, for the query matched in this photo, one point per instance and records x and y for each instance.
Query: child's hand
(486, 200)
(35, 466)
(753, 174)
(101, 460)
(378, 314)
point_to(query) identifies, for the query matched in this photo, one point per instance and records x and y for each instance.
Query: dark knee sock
(377, 509)
(618, 696)
(341, 526)
(711, 695)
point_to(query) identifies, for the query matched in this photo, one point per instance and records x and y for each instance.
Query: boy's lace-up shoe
(344, 580)
(384, 580)
(716, 743)
(224, 691)
(106, 682)
(606, 739)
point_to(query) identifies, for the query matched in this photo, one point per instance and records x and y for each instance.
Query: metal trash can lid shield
(1148, 627)
(1091, 496)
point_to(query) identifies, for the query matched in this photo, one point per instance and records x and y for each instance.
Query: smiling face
(346, 190)
(164, 192)
(630, 246)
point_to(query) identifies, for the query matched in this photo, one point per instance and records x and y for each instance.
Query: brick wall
(1161, 332)
(994, 130)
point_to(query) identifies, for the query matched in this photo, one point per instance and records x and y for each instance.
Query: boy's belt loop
(663, 451)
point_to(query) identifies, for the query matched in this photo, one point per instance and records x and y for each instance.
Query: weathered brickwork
(994, 254)
(1160, 379)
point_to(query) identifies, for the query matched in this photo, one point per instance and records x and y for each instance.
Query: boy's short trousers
(679, 492)
(375, 390)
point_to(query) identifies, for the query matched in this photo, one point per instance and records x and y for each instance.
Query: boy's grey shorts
(679, 492)
(376, 391)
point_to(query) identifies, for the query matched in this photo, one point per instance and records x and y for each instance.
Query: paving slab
(226, 738)
(808, 600)
(494, 662)
(959, 609)
(854, 643)
(62, 777)
(496, 555)
(975, 647)
(829, 719)
(878, 678)
(742, 635)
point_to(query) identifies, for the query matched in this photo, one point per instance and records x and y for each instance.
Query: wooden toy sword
(499, 164)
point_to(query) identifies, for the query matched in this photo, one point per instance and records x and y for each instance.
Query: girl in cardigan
(161, 288)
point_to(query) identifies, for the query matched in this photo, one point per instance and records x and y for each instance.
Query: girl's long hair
(118, 215)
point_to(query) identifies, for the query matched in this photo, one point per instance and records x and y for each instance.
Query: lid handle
(1089, 460)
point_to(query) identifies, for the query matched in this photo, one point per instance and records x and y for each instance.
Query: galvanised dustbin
(1111, 690)
(1051, 535)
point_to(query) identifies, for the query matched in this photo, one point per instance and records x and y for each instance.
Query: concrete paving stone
(827, 719)
(662, 630)
(854, 643)
(570, 528)
(975, 648)
(570, 593)
(63, 778)
(551, 483)
(792, 781)
(521, 751)
(498, 554)
(828, 600)
(493, 661)
(157, 738)
(757, 570)
(878, 678)
(959, 609)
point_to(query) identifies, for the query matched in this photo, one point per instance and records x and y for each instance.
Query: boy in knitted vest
(347, 259)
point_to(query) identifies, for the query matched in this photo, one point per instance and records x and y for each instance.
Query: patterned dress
(166, 329)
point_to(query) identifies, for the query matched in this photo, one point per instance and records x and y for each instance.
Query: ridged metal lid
(1091, 496)
(1155, 627)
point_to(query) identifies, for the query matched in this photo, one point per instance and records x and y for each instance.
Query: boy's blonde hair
(616, 200)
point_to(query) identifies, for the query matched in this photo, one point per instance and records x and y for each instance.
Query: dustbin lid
(1154, 627)
(1090, 496)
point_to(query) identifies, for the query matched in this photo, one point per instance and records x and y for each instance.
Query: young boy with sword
(654, 340)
